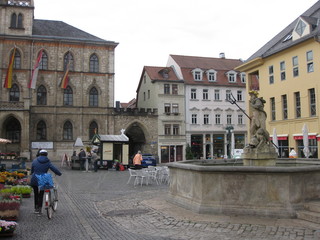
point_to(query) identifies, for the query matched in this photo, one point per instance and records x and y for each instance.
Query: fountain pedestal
(259, 157)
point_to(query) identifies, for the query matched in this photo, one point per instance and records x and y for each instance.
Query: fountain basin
(207, 186)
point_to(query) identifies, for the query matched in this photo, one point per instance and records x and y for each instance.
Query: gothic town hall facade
(50, 116)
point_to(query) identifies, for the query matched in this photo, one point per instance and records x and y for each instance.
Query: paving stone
(102, 206)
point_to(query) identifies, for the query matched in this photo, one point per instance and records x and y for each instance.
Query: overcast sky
(148, 31)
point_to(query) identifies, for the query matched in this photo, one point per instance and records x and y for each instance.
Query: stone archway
(11, 130)
(137, 139)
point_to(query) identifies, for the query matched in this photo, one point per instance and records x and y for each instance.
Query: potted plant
(24, 191)
(7, 228)
(9, 209)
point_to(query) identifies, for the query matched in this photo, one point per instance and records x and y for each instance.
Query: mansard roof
(283, 40)
(61, 30)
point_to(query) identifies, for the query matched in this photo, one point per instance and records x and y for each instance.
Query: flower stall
(7, 228)
(13, 187)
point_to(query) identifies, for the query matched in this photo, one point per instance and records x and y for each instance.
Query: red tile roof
(131, 104)
(156, 73)
(221, 65)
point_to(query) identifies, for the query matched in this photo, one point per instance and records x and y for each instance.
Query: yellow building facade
(286, 72)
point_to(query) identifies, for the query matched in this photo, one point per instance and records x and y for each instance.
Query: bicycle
(51, 200)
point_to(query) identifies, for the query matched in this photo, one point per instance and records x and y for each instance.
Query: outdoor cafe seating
(150, 175)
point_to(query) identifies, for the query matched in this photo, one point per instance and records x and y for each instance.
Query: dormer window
(304, 26)
(164, 73)
(212, 75)
(232, 76)
(197, 74)
(301, 26)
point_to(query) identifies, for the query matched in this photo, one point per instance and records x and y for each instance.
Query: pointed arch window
(68, 58)
(13, 130)
(93, 129)
(44, 61)
(17, 60)
(13, 23)
(94, 63)
(67, 131)
(14, 94)
(41, 131)
(20, 20)
(42, 95)
(68, 96)
(16, 20)
(93, 97)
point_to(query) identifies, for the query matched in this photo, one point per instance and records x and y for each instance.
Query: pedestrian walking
(137, 160)
(82, 158)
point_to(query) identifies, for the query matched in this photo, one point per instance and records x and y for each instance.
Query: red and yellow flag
(8, 80)
(65, 79)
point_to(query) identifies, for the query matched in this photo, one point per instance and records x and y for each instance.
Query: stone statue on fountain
(260, 148)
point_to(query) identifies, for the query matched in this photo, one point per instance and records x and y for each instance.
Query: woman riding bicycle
(40, 165)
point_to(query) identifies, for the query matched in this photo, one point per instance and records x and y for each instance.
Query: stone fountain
(258, 186)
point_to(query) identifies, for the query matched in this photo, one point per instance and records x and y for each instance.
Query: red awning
(301, 137)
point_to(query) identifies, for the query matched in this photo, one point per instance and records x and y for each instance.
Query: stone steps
(311, 213)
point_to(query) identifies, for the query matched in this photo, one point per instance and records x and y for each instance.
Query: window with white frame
(193, 93)
(194, 118)
(273, 108)
(310, 61)
(197, 74)
(243, 77)
(271, 77)
(166, 88)
(312, 102)
(240, 119)
(239, 95)
(167, 108)
(228, 94)
(282, 70)
(284, 107)
(206, 119)
(212, 75)
(174, 89)
(175, 129)
(232, 76)
(295, 66)
(218, 119)
(229, 119)
(175, 108)
(216, 94)
(205, 94)
(167, 129)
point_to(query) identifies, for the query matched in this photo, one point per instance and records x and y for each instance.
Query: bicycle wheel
(48, 202)
(55, 200)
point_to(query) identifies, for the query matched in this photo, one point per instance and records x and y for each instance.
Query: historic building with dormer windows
(215, 128)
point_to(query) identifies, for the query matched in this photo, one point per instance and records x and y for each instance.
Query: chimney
(222, 55)
(118, 105)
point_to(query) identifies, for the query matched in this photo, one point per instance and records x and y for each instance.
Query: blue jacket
(41, 165)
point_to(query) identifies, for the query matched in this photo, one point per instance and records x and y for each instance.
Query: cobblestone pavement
(103, 206)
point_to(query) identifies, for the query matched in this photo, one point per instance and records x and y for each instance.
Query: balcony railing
(11, 105)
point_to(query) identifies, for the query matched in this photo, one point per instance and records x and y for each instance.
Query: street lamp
(229, 130)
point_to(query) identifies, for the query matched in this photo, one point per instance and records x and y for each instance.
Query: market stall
(111, 148)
